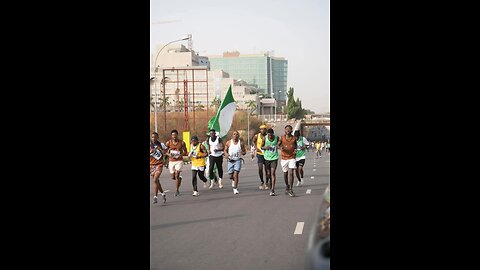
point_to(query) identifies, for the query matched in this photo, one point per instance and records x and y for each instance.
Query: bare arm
(255, 143)
(220, 145)
(263, 146)
(167, 151)
(227, 145)
(242, 146)
(203, 149)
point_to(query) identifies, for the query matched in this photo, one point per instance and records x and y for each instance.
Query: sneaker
(205, 184)
(164, 197)
(272, 193)
(177, 193)
(235, 191)
(212, 183)
(261, 186)
(286, 192)
(155, 200)
(291, 194)
(299, 183)
(195, 193)
(220, 183)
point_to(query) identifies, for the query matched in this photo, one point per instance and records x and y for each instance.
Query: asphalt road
(250, 230)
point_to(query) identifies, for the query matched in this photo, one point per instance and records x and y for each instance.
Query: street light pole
(248, 127)
(156, 70)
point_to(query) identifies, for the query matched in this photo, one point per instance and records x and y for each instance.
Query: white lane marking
(299, 228)
(314, 169)
(311, 177)
(309, 191)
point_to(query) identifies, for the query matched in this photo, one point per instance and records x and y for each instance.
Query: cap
(195, 138)
(263, 126)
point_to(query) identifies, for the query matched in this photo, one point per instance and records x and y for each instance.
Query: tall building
(268, 72)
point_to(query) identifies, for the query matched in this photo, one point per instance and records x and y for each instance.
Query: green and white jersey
(273, 153)
(301, 142)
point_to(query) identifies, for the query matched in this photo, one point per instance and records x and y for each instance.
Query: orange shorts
(155, 168)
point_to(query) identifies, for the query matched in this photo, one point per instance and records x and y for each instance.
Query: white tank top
(213, 146)
(234, 150)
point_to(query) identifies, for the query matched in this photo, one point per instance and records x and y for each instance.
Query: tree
(294, 107)
(251, 105)
(164, 102)
(216, 103)
(309, 111)
(177, 97)
(200, 107)
(180, 104)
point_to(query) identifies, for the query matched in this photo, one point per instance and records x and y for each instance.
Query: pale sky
(298, 30)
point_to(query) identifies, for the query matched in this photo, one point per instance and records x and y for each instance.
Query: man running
(288, 147)
(258, 141)
(271, 157)
(215, 158)
(157, 150)
(234, 148)
(198, 155)
(302, 143)
(176, 150)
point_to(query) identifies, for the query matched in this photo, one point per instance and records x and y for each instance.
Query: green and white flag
(222, 121)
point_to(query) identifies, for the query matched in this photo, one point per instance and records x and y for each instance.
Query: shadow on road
(156, 227)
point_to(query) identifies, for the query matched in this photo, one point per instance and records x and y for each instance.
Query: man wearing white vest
(234, 149)
(215, 157)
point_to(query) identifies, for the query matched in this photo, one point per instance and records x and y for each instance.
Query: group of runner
(207, 159)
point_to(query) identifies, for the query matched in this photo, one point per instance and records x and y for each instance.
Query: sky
(298, 30)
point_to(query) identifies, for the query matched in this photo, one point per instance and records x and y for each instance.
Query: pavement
(250, 230)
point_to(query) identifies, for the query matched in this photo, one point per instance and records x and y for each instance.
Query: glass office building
(269, 73)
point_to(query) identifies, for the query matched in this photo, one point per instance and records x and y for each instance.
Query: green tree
(180, 104)
(215, 103)
(164, 102)
(251, 105)
(200, 107)
(294, 107)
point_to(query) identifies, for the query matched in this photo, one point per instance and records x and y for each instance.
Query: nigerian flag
(222, 121)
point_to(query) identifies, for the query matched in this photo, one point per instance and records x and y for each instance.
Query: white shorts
(199, 168)
(288, 164)
(175, 166)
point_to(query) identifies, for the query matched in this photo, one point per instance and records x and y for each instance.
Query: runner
(198, 155)
(215, 158)
(157, 150)
(302, 143)
(234, 148)
(176, 151)
(258, 141)
(288, 147)
(271, 158)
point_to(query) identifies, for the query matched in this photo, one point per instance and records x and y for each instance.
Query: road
(250, 230)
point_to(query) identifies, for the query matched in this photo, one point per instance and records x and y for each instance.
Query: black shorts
(260, 159)
(271, 164)
(301, 162)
